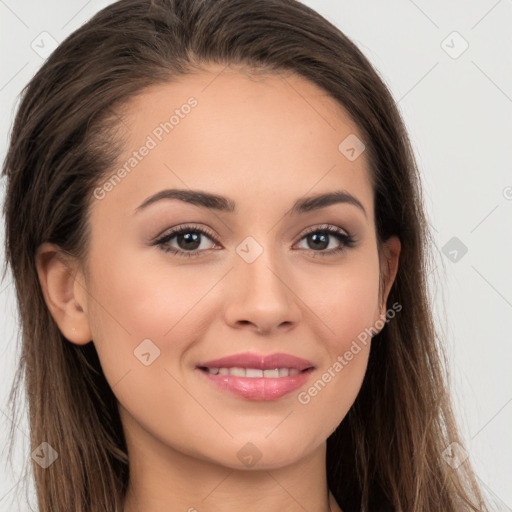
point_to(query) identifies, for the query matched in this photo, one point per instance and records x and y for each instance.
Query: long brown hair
(387, 453)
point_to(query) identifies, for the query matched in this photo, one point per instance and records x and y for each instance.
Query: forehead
(264, 137)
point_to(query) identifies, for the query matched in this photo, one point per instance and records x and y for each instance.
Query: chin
(260, 453)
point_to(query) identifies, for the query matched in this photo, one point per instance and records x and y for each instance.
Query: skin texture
(263, 142)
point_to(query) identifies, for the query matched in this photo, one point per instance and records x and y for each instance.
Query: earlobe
(64, 294)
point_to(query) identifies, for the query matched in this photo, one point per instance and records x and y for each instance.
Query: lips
(257, 377)
(261, 362)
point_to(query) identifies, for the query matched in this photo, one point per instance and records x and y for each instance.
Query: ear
(389, 267)
(64, 291)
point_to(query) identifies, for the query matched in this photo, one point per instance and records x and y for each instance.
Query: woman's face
(264, 280)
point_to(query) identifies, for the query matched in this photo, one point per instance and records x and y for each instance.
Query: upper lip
(259, 361)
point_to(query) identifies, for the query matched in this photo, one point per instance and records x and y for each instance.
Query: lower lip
(258, 388)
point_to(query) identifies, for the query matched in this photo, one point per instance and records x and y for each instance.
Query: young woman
(214, 221)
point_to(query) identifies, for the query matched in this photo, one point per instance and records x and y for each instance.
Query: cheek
(326, 401)
(136, 299)
(347, 302)
(348, 307)
(349, 314)
(133, 303)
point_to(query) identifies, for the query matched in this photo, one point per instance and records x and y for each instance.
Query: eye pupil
(323, 237)
(189, 238)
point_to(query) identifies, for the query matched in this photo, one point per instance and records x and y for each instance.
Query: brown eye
(188, 241)
(318, 240)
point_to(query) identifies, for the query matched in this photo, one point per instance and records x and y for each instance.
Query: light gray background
(459, 115)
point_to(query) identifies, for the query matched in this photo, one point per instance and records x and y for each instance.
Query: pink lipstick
(257, 377)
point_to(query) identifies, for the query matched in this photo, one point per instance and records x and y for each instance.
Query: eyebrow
(224, 204)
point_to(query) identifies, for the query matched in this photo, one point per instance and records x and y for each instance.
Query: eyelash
(347, 240)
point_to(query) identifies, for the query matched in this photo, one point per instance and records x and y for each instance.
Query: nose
(262, 296)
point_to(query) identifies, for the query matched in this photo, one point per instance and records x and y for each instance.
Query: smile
(254, 372)
(257, 376)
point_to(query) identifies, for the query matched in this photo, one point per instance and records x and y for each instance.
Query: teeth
(249, 372)
(254, 372)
